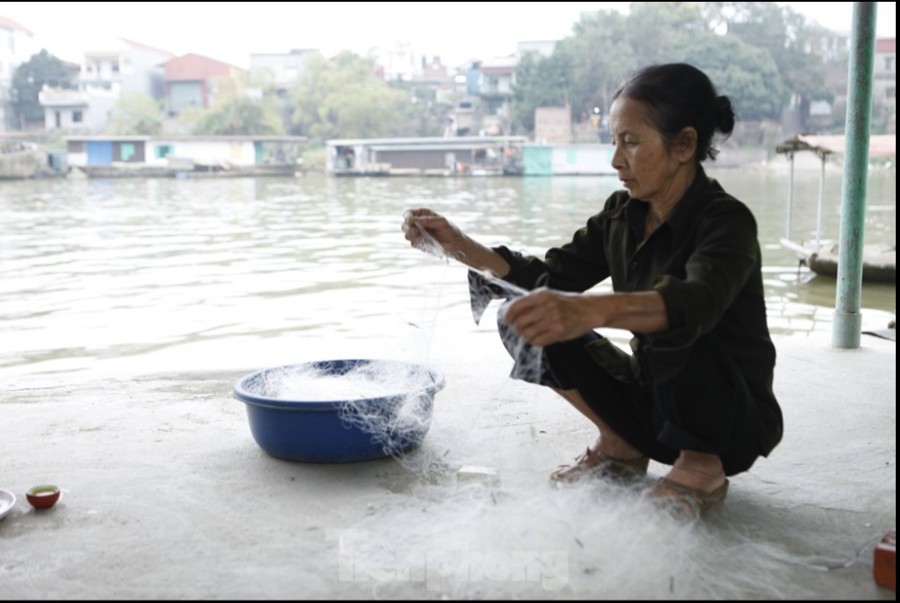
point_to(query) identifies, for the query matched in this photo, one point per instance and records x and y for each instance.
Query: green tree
(238, 109)
(540, 82)
(599, 55)
(345, 98)
(425, 114)
(658, 32)
(136, 113)
(606, 46)
(186, 121)
(792, 41)
(240, 116)
(28, 80)
(746, 74)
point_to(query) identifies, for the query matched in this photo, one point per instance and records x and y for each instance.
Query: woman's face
(643, 162)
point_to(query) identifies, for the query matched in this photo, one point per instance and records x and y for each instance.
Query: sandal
(602, 465)
(685, 502)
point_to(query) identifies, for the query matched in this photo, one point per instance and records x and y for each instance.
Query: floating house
(464, 156)
(120, 156)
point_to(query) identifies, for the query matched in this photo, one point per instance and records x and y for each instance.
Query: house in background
(17, 45)
(129, 66)
(884, 86)
(282, 71)
(190, 81)
(485, 109)
(541, 48)
(400, 62)
(498, 78)
(117, 66)
(73, 110)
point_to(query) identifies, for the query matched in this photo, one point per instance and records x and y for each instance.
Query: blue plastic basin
(335, 431)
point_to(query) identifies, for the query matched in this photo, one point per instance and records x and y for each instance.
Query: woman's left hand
(544, 316)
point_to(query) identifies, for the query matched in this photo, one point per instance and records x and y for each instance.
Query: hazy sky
(231, 31)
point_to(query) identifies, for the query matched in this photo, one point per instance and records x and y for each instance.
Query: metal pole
(823, 156)
(847, 325)
(790, 205)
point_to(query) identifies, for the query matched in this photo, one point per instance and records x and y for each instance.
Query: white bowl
(7, 502)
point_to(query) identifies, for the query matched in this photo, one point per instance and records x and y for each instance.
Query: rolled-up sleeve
(574, 266)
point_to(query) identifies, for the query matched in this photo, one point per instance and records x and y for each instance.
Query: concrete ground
(165, 495)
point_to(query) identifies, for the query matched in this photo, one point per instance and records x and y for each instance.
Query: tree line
(764, 56)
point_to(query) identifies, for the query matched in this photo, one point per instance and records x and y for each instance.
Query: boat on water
(879, 262)
(24, 160)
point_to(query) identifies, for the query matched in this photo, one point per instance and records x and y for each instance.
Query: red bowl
(43, 497)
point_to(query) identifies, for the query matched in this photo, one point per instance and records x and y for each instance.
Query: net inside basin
(383, 408)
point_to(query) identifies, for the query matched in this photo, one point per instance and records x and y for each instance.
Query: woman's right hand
(431, 232)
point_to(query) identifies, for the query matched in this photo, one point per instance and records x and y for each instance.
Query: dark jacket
(704, 260)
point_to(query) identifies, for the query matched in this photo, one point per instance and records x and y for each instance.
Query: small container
(43, 497)
(7, 502)
(885, 566)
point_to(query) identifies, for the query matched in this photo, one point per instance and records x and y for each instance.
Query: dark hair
(678, 96)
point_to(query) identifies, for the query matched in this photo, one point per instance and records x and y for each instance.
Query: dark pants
(706, 408)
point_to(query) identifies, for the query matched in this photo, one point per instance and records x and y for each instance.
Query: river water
(149, 275)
